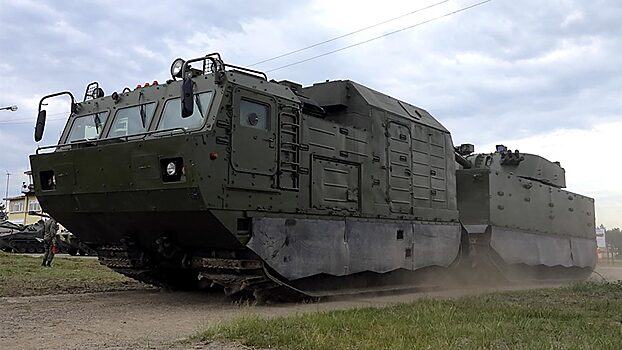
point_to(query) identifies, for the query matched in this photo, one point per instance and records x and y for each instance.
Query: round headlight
(171, 169)
(176, 68)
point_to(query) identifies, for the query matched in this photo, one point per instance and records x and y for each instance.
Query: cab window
(87, 127)
(132, 120)
(254, 115)
(171, 117)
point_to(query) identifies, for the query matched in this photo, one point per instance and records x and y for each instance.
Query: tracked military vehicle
(266, 187)
(18, 238)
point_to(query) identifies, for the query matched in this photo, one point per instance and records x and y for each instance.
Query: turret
(524, 165)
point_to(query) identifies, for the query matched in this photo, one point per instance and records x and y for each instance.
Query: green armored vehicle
(513, 207)
(223, 177)
(18, 238)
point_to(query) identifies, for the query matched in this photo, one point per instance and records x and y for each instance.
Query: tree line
(614, 238)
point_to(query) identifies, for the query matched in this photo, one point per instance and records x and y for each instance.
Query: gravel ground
(153, 319)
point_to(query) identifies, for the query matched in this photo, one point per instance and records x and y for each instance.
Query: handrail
(218, 59)
(219, 65)
(125, 138)
(244, 69)
(204, 59)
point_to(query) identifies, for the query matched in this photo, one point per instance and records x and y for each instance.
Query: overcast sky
(541, 76)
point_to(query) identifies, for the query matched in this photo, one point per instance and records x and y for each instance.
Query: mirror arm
(41, 116)
(73, 100)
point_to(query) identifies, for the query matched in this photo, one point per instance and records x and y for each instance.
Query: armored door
(400, 167)
(254, 134)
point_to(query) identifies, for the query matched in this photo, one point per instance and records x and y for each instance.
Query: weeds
(582, 316)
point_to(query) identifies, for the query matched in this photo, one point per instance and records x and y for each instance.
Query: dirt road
(609, 273)
(154, 319)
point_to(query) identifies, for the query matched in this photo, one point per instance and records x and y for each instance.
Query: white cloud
(572, 18)
(69, 32)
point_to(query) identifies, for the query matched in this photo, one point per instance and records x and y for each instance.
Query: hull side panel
(518, 247)
(298, 248)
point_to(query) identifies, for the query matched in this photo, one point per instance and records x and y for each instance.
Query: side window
(254, 115)
(132, 120)
(171, 117)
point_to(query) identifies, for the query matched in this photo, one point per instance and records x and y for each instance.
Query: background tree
(614, 237)
(3, 215)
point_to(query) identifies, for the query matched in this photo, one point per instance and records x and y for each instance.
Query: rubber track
(263, 288)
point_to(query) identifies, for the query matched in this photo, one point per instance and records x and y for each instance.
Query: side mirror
(40, 125)
(187, 100)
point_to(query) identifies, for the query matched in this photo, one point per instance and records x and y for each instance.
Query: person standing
(50, 227)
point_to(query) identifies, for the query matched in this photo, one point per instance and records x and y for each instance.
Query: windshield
(171, 117)
(132, 120)
(87, 127)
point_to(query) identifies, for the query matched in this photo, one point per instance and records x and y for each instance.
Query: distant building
(18, 207)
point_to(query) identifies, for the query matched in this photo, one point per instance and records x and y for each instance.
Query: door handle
(270, 141)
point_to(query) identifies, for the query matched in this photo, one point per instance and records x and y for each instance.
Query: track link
(237, 277)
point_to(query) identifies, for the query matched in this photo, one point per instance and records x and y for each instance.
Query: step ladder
(289, 148)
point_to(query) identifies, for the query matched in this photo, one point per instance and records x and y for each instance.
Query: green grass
(23, 275)
(585, 316)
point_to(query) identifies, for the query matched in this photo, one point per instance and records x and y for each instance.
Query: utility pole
(6, 201)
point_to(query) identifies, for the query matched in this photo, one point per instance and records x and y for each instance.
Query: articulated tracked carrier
(223, 177)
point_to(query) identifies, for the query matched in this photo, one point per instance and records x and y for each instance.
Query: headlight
(171, 169)
(176, 68)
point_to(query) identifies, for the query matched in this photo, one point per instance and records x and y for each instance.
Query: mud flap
(436, 245)
(517, 247)
(583, 252)
(300, 248)
(297, 248)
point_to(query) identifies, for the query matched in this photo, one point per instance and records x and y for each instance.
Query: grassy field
(23, 275)
(585, 316)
